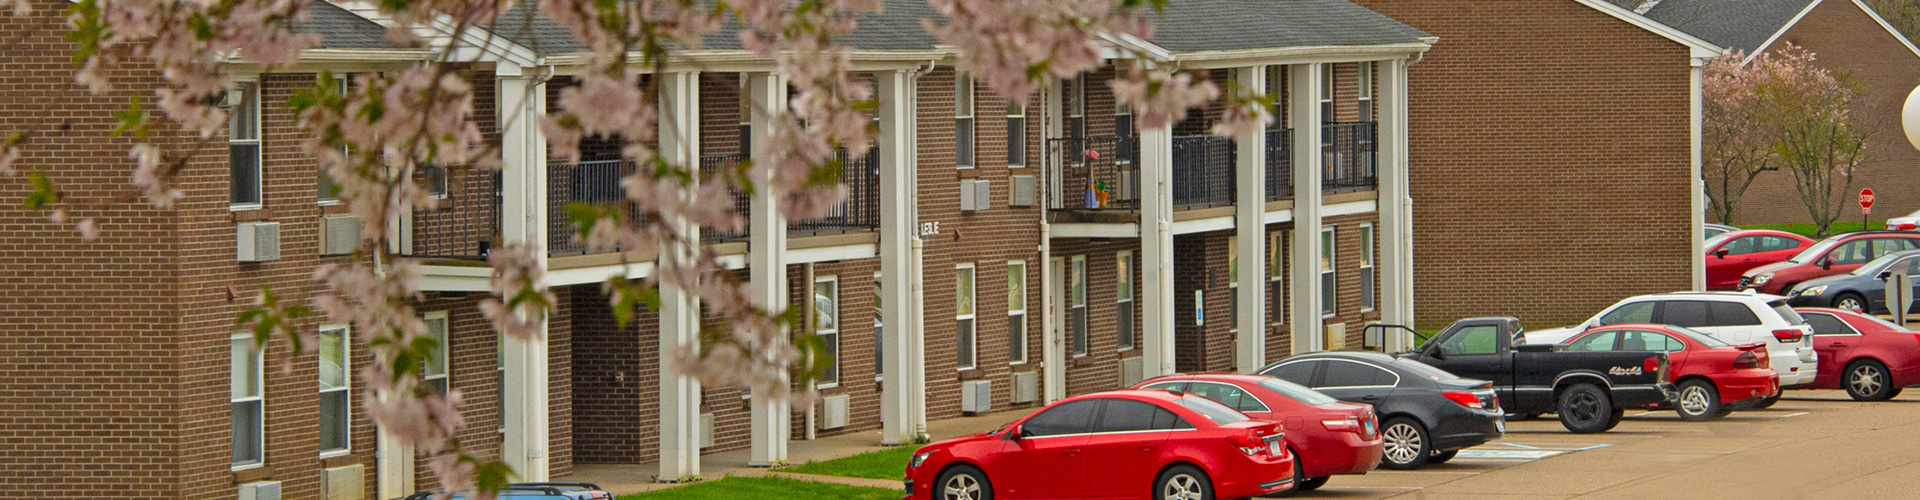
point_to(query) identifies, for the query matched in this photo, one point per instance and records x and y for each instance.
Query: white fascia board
(477, 44)
(1781, 32)
(1123, 43)
(1094, 230)
(1220, 223)
(833, 253)
(741, 61)
(455, 278)
(1298, 55)
(1699, 48)
(1279, 216)
(596, 274)
(1349, 208)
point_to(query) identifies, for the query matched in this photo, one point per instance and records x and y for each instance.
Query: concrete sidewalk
(627, 479)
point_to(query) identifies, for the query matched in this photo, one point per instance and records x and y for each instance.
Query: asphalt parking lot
(1813, 444)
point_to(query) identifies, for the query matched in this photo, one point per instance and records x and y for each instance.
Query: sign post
(1866, 206)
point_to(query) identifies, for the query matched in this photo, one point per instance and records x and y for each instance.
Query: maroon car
(1732, 253)
(1835, 255)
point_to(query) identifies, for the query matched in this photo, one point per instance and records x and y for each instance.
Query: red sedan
(1870, 357)
(1835, 255)
(1715, 378)
(1326, 436)
(1120, 444)
(1732, 253)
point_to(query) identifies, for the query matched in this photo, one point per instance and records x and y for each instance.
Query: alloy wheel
(1693, 400)
(1182, 487)
(1866, 379)
(961, 487)
(1403, 443)
(1584, 408)
(1848, 303)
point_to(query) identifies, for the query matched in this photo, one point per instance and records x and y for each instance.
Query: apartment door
(1056, 346)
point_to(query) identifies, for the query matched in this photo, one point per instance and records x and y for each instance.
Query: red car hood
(1769, 268)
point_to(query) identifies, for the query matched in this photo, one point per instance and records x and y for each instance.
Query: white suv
(1735, 317)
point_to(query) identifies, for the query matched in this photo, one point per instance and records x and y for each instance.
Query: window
(436, 179)
(1017, 312)
(963, 316)
(1602, 341)
(335, 372)
(1481, 339)
(1828, 324)
(1277, 277)
(1077, 108)
(1742, 246)
(436, 369)
(1732, 314)
(879, 334)
(826, 326)
(1169, 386)
(243, 145)
(1637, 312)
(1126, 415)
(1688, 313)
(963, 120)
(1077, 304)
(1328, 295)
(746, 116)
(1883, 246)
(1341, 373)
(1365, 95)
(1326, 94)
(1228, 395)
(248, 405)
(1071, 418)
(329, 192)
(1638, 340)
(1852, 252)
(500, 377)
(1128, 151)
(1016, 135)
(1367, 274)
(1125, 291)
(1777, 243)
(1298, 372)
(1277, 87)
(1220, 414)
(1296, 392)
(1233, 284)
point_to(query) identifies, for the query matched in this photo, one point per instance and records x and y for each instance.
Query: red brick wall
(1848, 41)
(1549, 149)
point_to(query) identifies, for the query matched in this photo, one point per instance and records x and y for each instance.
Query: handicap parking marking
(1516, 452)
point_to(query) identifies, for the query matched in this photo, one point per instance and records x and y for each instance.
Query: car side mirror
(1884, 275)
(1721, 253)
(1012, 434)
(1438, 353)
(1826, 264)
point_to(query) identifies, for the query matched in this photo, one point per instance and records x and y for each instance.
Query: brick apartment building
(1846, 37)
(990, 256)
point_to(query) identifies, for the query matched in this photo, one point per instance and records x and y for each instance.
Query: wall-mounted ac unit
(1026, 387)
(1130, 371)
(974, 194)
(1026, 191)
(976, 396)
(1129, 185)
(264, 490)
(344, 483)
(833, 412)
(1336, 337)
(339, 234)
(706, 430)
(259, 241)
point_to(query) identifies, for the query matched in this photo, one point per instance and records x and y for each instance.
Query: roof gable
(1700, 48)
(1752, 25)
(1215, 25)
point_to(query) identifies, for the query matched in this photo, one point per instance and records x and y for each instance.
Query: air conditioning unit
(1026, 191)
(259, 241)
(344, 483)
(1026, 387)
(263, 490)
(1130, 371)
(976, 396)
(974, 195)
(339, 234)
(706, 430)
(1129, 185)
(833, 412)
(1334, 337)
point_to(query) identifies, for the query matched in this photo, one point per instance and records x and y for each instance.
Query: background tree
(1904, 15)
(1820, 136)
(1736, 145)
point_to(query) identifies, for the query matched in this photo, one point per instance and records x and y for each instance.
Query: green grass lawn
(759, 488)
(883, 464)
(1807, 229)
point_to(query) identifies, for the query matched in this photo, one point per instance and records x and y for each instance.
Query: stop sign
(1866, 198)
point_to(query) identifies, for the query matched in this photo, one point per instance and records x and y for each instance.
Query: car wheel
(1406, 444)
(1850, 302)
(1585, 409)
(1517, 417)
(1182, 482)
(963, 483)
(1441, 457)
(1866, 380)
(1310, 484)
(1699, 400)
(1614, 420)
(1768, 402)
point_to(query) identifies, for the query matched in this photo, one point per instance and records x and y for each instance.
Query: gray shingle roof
(1736, 24)
(896, 27)
(340, 29)
(1205, 25)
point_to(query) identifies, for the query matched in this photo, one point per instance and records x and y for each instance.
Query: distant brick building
(1846, 37)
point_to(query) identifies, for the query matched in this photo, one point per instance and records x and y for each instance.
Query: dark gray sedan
(1864, 289)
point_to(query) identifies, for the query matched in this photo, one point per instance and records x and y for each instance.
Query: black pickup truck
(1589, 390)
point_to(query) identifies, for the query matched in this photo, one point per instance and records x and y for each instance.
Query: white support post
(1250, 229)
(1396, 214)
(1699, 185)
(523, 221)
(1053, 370)
(679, 307)
(767, 266)
(1304, 281)
(903, 379)
(1156, 250)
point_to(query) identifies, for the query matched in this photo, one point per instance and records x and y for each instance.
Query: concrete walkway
(627, 479)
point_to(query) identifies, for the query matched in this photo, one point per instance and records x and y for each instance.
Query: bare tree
(1736, 145)
(1821, 136)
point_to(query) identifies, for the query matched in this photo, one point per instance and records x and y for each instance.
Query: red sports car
(1732, 253)
(1122, 444)
(1326, 436)
(1715, 378)
(1870, 357)
(1835, 255)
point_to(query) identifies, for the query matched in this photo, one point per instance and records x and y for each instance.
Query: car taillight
(1349, 425)
(1746, 360)
(1654, 366)
(1904, 227)
(1248, 444)
(1788, 335)
(1466, 399)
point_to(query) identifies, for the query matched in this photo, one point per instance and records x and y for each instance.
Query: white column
(1053, 371)
(523, 219)
(1697, 235)
(903, 379)
(1250, 228)
(1304, 281)
(679, 307)
(1156, 250)
(767, 266)
(1396, 214)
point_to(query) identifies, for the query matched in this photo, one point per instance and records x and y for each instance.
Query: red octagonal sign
(1866, 198)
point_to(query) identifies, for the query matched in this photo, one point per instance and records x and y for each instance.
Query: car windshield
(1296, 391)
(1815, 251)
(1423, 370)
(1699, 336)
(1787, 313)
(1874, 267)
(1213, 410)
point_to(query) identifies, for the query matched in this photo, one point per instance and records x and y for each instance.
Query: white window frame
(1233, 284)
(249, 101)
(1017, 357)
(258, 353)
(1276, 88)
(964, 101)
(879, 333)
(1329, 263)
(1369, 275)
(1016, 136)
(970, 317)
(444, 351)
(500, 373)
(346, 379)
(1363, 99)
(813, 324)
(1277, 276)
(345, 152)
(1080, 342)
(1077, 110)
(437, 188)
(1124, 302)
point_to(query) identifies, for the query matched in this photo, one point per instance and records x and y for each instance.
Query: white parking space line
(1516, 452)
(1794, 415)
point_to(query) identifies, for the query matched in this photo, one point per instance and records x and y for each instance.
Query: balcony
(464, 223)
(591, 182)
(710, 165)
(1279, 164)
(1096, 173)
(1203, 171)
(1348, 152)
(860, 210)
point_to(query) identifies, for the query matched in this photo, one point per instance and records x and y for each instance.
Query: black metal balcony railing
(742, 204)
(1203, 171)
(1279, 164)
(1096, 173)
(1348, 151)
(592, 182)
(464, 224)
(860, 210)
